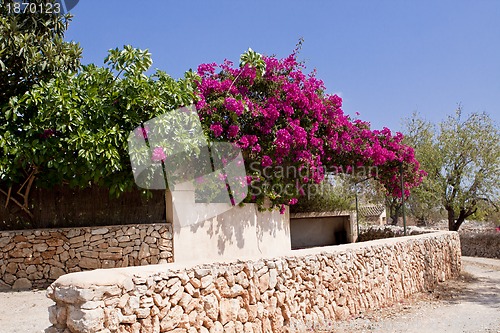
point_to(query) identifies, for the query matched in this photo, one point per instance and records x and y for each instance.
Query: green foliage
(424, 202)
(73, 129)
(253, 59)
(462, 160)
(328, 196)
(32, 49)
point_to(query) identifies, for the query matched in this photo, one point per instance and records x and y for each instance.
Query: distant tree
(462, 159)
(32, 49)
(424, 203)
(333, 194)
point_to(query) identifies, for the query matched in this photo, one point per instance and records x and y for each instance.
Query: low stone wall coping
(122, 277)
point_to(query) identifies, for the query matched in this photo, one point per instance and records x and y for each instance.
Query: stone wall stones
(480, 244)
(388, 231)
(35, 258)
(308, 290)
(475, 242)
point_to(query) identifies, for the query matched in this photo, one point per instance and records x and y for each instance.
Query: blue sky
(386, 59)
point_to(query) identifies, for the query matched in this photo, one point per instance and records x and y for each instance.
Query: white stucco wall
(218, 232)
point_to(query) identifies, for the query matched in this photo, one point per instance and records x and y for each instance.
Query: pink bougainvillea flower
(158, 154)
(266, 161)
(216, 129)
(233, 131)
(287, 114)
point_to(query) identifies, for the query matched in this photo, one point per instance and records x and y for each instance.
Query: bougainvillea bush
(291, 131)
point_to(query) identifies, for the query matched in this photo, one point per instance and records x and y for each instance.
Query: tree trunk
(454, 225)
(451, 219)
(394, 214)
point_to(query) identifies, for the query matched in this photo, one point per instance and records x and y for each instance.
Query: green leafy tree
(333, 194)
(32, 49)
(462, 160)
(424, 202)
(78, 134)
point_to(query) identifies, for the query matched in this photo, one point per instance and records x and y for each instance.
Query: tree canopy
(462, 158)
(32, 49)
(78, 134)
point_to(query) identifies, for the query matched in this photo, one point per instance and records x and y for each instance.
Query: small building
(322, 229)
(373, 214)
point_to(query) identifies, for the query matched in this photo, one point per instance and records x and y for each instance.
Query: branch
(25, 209)
(8, 197)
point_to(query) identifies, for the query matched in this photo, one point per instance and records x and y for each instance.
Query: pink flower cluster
(285, 118)
(158, 155)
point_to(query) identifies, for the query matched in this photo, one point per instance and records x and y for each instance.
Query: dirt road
(471, 304)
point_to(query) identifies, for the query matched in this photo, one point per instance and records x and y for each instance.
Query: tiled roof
(371, 210)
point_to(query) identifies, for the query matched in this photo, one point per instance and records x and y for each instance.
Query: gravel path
(469, 304)
(24, 312)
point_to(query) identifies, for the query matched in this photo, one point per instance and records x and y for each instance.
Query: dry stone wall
(35, 258)
(481, 244)
(306, 291)
(388, 231)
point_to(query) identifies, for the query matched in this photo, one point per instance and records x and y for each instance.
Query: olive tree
(462, 159)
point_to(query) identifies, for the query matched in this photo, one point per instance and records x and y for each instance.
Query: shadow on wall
(237, 232)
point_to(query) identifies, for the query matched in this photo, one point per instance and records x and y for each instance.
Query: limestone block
(4, 241)
(4, 286)
(89, 263)
(172, 319)
(142, 313)
(264, 282)
(90, 305)
(19, 238)
(144, 251)
(11, 268)
(41, 247)
(185, 300)
(229, 310)
(22, 284)
(150, 325)
(100, 231)
(56, 272)
(81, 321)
(57, 315)
(109, 256)
(176, 297)
(128, 319)
(21, 253)
(206, 281)
(75, 240)
(70, 294)
(150, 240)
(273, 278)
(217, 328)
(230, 327)
(211, 306)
